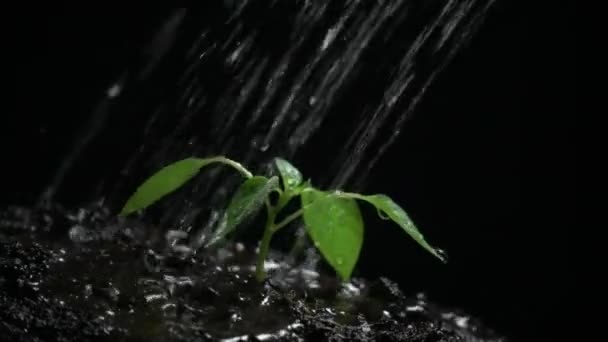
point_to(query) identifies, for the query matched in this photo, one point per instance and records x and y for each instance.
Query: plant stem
(271, 228)
(240, 168)
(271, 213)
(287, 220)
(260, 272)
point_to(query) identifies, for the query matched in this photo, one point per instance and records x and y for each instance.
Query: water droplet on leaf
(442, 254)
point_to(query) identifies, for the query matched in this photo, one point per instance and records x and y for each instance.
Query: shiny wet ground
(78, 275)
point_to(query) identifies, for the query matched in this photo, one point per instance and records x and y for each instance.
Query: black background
(485, 166)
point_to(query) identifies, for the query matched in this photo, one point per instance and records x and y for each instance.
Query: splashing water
(126, 282)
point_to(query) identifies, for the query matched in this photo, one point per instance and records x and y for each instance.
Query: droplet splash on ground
(79, 275)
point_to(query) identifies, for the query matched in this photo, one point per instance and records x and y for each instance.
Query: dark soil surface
(83, 275)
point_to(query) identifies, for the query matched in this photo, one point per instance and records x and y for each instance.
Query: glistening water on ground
(85, 275)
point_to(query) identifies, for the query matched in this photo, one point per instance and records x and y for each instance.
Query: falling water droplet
(329, 38)
(114, 90)
(442, 255)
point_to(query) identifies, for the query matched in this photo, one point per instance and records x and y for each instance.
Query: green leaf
(336, 227)
(163, 182)
(291, 176)
(386, 205)
(247, 200)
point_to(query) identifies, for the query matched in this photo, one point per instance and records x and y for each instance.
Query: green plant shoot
(332, 218)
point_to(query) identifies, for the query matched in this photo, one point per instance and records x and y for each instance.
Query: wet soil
(84, 275)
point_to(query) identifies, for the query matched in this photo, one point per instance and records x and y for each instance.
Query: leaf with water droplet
(290, 175)
(386, 205)
(247, 200)
(335, 225)
(163, 182)
(382, 214)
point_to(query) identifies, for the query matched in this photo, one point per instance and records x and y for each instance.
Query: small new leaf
(386, 205)
(247, 200)
(163, 182)
(336, 227)
(291, 176)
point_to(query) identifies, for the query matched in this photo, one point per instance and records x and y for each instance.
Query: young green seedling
(332, 218)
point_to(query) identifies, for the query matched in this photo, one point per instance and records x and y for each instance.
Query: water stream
(253, 81)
